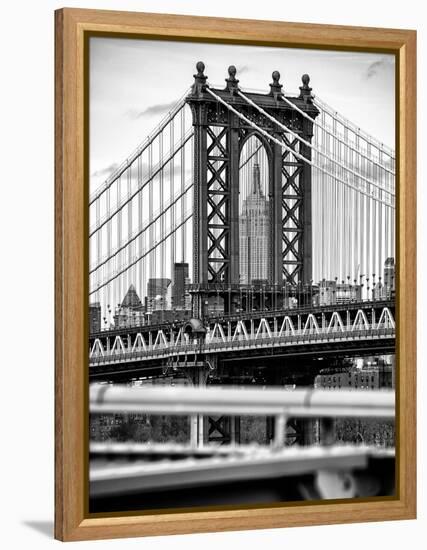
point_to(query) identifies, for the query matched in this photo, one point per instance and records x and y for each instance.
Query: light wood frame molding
(72, 26)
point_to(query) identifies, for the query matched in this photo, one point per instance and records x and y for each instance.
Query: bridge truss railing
(167, 349)
(308, 307)
(346, 322)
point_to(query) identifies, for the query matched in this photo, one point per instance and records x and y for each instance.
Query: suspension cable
(161, 212)
(245, 162)
(308, 144)
(335, 136)
(162, 163)
(368, 139)
(289, 149)
(139, 258)
(140, 150)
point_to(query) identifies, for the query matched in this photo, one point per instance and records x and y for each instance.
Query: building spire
(256, 186)
(131, 299)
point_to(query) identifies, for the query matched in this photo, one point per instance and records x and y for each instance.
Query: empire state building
(254, 234)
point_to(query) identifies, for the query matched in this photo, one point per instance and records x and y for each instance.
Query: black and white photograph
(242, 275)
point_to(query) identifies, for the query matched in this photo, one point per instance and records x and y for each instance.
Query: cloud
(105, 171)
(158, 109)
(242, 69)
(377, 67)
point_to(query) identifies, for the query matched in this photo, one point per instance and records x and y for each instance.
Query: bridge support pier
(223, 429)
(301, 431)
(198, 377)
(326, 431)
(307, 431)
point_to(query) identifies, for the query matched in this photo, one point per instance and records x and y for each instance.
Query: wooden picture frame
(72, 27)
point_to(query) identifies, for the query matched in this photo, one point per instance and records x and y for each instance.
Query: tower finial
(305, 90)
(232, 81)
(275, 86)
(199, 79)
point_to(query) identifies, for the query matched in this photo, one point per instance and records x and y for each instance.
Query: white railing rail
(236, 401)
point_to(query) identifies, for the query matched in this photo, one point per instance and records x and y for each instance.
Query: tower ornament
(305, 90)
(199, 79)
(275, 86)
(232, 81)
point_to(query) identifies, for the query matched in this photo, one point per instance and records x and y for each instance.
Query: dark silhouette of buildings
(180, 277)
(94, 317)
(374, 374)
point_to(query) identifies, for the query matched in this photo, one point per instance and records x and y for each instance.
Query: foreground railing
(126, 468)
(279, 403)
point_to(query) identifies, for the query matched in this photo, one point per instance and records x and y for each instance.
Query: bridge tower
(219, 136)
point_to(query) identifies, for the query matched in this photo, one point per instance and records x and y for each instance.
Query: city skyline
(135, 109)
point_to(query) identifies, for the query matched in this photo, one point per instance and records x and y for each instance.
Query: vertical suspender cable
(393, 226)
(183, 234)
(190, 236)
(129, 277)
(98, 244)
(140, 217)
(322, 217)
(368, 235)
(374, 232)
(327, 242)
(152, 256)
(119, 240)
(355, 228)
(380, 228)
(161, 207)
(350, 214)
(171, 195)
(109, 246)
(314, 183)
(336, 214)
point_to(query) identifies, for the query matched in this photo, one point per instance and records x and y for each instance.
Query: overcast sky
(133, 83)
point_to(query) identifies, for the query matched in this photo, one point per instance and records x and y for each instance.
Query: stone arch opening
(255, 213)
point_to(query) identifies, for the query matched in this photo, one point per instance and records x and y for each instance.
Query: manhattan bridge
(249, 238)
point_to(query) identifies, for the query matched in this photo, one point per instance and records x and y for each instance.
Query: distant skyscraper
(158, 292)
(254, 231)
(389, 276)
(130, 313)
(94, 317)
(379, 291)
(187, 297)
(327, 293)
(348, 293)
(178, 288)
(330, 292)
